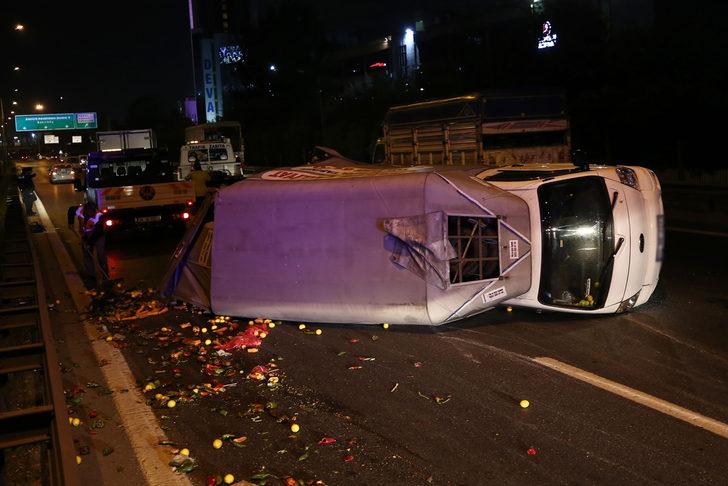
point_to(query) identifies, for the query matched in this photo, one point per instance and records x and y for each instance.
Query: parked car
(61, 173)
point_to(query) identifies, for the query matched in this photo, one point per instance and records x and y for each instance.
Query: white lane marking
(662, 406)
(137, 419)
(697, 232)
(675, 339)
(43, 215)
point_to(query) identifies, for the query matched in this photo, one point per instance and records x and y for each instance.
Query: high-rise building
(217, 54)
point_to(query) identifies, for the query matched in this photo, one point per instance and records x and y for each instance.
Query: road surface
(638, 398)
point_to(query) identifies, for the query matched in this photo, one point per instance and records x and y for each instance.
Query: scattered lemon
(229, 479)
(158, 396)
(109, 338)
(185, 452)
(70, 420)
(525, 403)
(213, 327)
(295, 428)
(217, 443)
(204, 330)
(78, 459)
(263, 335)
(252, 350)
(171, 404)
(302, 326)
(76, 422)
(385, 325)
(319, 332)
(207, 342)
(271, 325)
(509, 309)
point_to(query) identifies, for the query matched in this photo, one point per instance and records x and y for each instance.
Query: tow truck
(136, 188)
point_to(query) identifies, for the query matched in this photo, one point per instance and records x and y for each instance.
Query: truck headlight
(628, 177)
(629, 303)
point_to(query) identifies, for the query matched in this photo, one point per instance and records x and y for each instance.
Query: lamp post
(4, 132)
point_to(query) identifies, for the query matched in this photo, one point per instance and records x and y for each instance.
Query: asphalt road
(675, 349)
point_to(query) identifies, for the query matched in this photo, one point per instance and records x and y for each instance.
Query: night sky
(99, 56)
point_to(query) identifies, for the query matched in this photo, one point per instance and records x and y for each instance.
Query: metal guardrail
(36, 446)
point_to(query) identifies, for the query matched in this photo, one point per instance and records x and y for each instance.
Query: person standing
(93, 240)
(27, 189)
(199, 179)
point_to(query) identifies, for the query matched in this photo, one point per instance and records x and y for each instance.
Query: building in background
(217, 56)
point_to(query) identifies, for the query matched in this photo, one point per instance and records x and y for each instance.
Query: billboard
(55, 121)
(51, 139)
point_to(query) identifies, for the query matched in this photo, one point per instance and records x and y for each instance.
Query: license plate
(147, 219)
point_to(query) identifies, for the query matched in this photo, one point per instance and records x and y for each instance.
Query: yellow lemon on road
(217, 443)
(78, 459)
(207, 342)
(185, 452)
(385, 325)
(76, 422)
(525, 403)
(319, 332)
(271, 325)
(171, 404)
(302, 326)
(295, 428)
(229, 479)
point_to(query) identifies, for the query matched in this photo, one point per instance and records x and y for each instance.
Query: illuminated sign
(76, 139)
(86, 120)
(230, 54)
(378, 65)
(55, 121)
(211, 82)
(50, 139)
(548, 36)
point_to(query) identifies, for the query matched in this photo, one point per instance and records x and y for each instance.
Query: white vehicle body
(126, 139)
(212, 156)
(63, 172)
(626, 234)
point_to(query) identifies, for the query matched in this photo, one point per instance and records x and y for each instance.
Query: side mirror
(78, 185)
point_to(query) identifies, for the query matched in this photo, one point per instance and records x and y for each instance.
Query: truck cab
(597, 234)
(135, 188)
(217, 157)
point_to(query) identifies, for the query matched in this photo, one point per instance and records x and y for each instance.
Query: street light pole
(4, 134)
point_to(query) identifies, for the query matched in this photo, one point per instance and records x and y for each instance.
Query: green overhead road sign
(55, 121)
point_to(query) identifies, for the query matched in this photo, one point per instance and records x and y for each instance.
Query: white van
(212, 156)
(597, 236)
